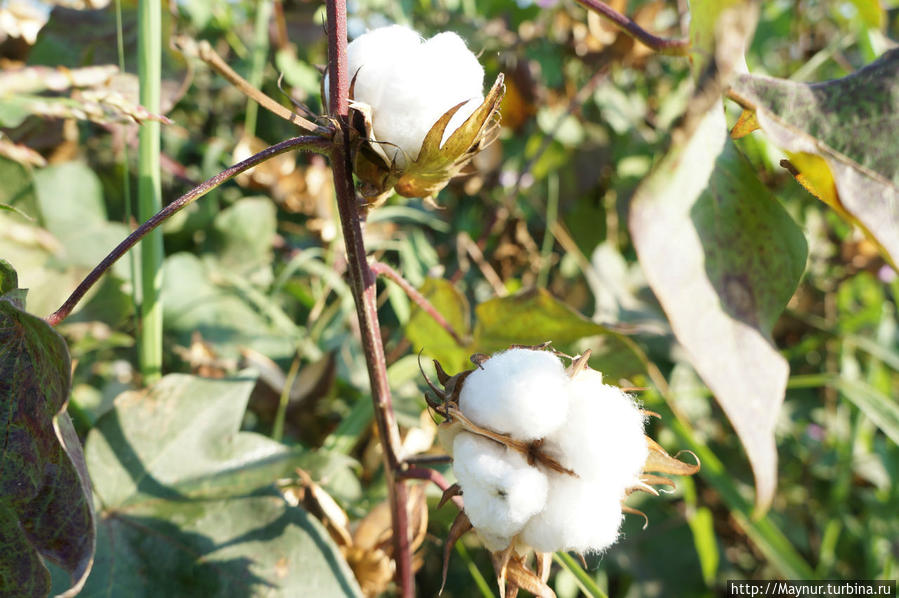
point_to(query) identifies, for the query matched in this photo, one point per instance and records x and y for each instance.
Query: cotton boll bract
(580, 515)
(410, 83)
(501, 491)
(602, 437)
(520, 392)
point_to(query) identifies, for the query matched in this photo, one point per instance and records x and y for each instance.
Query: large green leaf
(243, 237)
(182, 510)
(850, 123)
(70, 197)
(529, 318)
(723, 258)
(198, 297)
(428, 336)
(45, 497)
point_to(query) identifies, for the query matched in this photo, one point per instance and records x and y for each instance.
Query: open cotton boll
(409, 84)
(580, 515)
(519, 392)
(602, 438)
(501, 491)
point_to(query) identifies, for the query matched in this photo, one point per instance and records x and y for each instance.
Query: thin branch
(306, 142)
(662, 45)
(420, 300)
(431, 475)
(210, 57)
(364, 294)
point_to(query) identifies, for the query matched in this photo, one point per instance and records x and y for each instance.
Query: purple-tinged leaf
(723, 258)
(850, 123)
(45, 498)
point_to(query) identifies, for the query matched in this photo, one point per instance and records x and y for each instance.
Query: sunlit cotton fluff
(502, 492)
(602, 438)
(409, 83)
(580, 515)
(519, 392)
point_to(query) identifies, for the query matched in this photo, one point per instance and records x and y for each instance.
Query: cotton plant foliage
(544, 457)
(419, 109)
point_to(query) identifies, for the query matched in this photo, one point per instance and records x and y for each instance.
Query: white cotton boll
(409, 84)
(501, 491)
(377, 56)
(520, 392)
(602, 438)
(580, 515)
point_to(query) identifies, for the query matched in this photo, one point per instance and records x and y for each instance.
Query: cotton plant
(544, 457)
(418, 109)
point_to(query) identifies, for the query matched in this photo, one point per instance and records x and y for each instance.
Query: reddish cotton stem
(431, 475)
(662, 45)
(420, 300)
(362, 283)
(308, 142)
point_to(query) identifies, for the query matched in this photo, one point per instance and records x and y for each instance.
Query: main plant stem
(362, 283)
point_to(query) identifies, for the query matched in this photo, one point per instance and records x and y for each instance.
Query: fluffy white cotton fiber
(580, 515)
(409, 83)
(602, 437)
(502, 492)
(594, 430)
(519, 392)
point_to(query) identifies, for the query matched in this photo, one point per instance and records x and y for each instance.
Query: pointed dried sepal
(432, 170)
(657, 480)
(460, 527)
(544, 565)
(633, 511)
(659, 461)
(501, 568)
(435, 165)
(449, 493)
(519, 576)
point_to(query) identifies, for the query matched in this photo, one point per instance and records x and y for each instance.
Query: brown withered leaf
(518, 576)
(659, 461)
(461, 526)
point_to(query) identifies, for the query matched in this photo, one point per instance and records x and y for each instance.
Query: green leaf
(17, 190)
(850, 123)
(878, 407)
(723, 258)
(428, 336)
(70, 197)
(9, 280)
(702, 525)
(183, 513)
(194, 300)
(39, 259)
(243, 237)
(529, 318)
(45, 497)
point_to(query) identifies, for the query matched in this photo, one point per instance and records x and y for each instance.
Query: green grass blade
(149, 191)
(260, 51)
(878, 407)
(777, 549)
(479, 580)
(584, 581)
